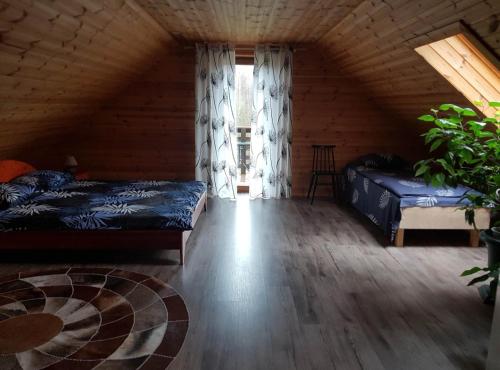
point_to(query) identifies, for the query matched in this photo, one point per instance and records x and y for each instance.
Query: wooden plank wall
(330, 107)
(147, 131)
(63, 62)
(58, 61)
(375, 43)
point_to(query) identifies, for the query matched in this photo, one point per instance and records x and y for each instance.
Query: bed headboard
(10, 169)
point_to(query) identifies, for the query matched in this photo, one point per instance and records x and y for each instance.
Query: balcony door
(244, 98)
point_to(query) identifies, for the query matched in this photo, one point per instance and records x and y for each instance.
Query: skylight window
(458, 60)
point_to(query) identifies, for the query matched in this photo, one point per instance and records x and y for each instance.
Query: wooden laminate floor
(285, 285)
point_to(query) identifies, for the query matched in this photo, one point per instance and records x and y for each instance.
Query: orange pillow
(10, 169)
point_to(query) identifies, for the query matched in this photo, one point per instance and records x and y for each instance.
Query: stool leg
(314, 188)
(310, 186)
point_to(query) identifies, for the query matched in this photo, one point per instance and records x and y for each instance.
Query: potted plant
(468, 152)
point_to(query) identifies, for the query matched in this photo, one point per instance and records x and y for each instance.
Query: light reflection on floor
(242, 227)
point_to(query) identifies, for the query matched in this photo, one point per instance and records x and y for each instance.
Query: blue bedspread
(97, 205)
(380, 194)
(413, 191)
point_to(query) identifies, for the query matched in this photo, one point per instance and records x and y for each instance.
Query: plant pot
(487, 292)
(492, 240)
(495, 232)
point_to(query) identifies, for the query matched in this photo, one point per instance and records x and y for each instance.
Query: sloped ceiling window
(466, 68)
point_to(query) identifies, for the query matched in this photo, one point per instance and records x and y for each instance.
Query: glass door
(244, 83)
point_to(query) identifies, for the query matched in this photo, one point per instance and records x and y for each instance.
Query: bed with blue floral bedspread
(97, 205)
(380, 186)
(49, 209)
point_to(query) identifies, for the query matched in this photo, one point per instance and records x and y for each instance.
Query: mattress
(100, 205)
(413, 191)
(381, 194)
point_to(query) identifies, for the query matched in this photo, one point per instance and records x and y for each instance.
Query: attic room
(251, 184)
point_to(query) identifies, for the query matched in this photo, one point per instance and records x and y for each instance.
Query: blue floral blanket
(96, 205)
(381, 193)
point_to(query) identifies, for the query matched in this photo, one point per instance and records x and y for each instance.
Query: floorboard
(286, 285)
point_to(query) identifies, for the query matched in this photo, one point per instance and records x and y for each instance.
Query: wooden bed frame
(441, 218)
(93, 239)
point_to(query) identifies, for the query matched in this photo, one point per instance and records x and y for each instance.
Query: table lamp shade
(70, 161)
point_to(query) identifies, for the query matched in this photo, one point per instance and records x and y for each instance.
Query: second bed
(383, 189)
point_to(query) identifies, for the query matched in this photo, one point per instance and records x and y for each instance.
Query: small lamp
(70, 164)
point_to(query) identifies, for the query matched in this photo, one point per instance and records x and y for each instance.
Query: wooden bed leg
(181, 254)
(400, 237)
(474, 238)
(182, 247)
(182, 250)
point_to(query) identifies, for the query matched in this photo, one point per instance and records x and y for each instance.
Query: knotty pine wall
(330, 107)
(59, 61)
(147, 131)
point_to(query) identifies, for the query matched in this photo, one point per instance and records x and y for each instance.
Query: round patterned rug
(85, 318)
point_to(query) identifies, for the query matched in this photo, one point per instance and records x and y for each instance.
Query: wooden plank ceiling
(249, 21)
(373, 40)
(61, 59)
(376, 44)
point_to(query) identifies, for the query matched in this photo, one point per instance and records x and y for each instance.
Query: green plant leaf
(446, 166)
(476, 124)
(419, 163)
(435, 144)
(426, 118)
(428, 138)
(470, 216)
(456, 120)
(446, 107)
(471, 271)
(421, 170)
(482, 134)
(468, 112)
(496, 179)
(479, 279)
(468, 154)
(450, 124)
(494, 104)
(438, 179)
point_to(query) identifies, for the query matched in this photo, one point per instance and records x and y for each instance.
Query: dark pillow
(382, 161)
(14, 194)
(45, 179)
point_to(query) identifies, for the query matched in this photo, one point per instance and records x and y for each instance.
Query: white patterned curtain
(271, 141)
(215, 131)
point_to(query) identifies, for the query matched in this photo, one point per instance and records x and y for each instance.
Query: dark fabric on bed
(14, 194)
(95, 205)
(382, 161)
(380, 194)
(45, 179)
(373, 200)
(413, 191)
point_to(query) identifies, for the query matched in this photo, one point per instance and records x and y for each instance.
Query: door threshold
(242, 188)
